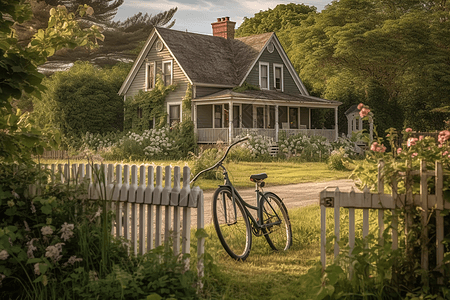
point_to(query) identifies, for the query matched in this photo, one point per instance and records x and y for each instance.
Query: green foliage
(273, 20)
(82, 99)
(337, 160)
(18, 68)
(141, 109)
(207, 158)
(245, 87)
(157, 273)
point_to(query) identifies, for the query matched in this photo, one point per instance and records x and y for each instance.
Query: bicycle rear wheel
(279, 233)
(231, 224)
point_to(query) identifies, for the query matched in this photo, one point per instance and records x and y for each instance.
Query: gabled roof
(212, 60)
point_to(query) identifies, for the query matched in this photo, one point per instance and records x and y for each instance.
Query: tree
(82, 99)
(283, 16)
(123, 40)
(18, 71)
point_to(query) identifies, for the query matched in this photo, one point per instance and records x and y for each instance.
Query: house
(213, 66)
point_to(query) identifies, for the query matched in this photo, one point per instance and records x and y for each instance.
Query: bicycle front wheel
(231, 224)
(276, 224)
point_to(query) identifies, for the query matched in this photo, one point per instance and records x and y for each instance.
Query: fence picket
(439, 183)
(424, 213)
(380, 186)
(150, 186)
(337, 224)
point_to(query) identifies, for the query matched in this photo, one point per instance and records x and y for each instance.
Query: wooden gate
(331, 197)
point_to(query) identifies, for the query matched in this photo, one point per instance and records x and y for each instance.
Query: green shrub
(207, 158)
(337, 160)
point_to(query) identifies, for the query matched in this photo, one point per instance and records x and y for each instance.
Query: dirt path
(293, 195)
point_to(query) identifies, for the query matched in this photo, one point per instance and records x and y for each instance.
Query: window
(264, 76)
(278, 77)
(150, 75)
(167, 73)
(236, 116)
(217, 116)
(293, 117)
(174, 114)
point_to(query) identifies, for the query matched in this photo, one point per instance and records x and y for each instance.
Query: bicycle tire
(279, 237)
(233, 229)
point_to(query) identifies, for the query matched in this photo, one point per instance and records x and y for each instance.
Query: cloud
(164, 5)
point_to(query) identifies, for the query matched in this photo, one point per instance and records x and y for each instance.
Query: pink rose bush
(363, 110)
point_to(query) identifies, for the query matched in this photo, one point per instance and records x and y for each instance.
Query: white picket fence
(148, 214)
(380, 201)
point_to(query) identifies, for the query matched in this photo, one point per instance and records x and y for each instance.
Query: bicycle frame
(259, 197)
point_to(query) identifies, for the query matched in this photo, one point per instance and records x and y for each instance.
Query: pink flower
(374, 146)
(408, 129)
(444, 153)
(420, 137)
(443, 136)
(377, 148)
(414, 154)
(364, 112)
(411, 142)
(399, 150)
(360, 106)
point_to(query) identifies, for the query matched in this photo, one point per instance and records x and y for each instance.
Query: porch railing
(212, 135)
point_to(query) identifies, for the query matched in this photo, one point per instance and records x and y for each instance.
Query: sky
(197, 15)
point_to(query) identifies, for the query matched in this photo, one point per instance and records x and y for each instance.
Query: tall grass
(267, 274)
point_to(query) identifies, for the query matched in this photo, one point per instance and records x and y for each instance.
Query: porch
(228, 114)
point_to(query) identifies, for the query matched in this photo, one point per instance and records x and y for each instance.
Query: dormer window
(150, 72)
(264, 75)
(167, 72)
(278, 83)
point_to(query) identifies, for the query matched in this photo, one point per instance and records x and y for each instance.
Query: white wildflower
(11, 203)
(31, 248)
(93, 276)
(54, 252)
(27, 228)
(66, 231)
(72, 260)
(37, 271)
(3, 255)
(47, 230)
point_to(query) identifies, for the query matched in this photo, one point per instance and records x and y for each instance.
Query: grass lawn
(266, 274)
(279, 173)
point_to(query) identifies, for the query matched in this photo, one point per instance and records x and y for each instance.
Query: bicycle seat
(258, 177)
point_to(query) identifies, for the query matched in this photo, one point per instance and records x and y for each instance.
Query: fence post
(380, 193)
(424, 202)
(337, 225)
(351, 229)
(439, 179)
(201, 240)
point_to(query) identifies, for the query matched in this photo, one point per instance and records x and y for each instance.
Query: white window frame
(168, 105)
(146, 75)
(268, 75)
(282, 77)
(171, 70)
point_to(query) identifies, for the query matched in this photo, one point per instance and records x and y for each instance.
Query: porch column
(336, 123)
(230, 122)
(360, 127)
(276, 123)
(195, 119)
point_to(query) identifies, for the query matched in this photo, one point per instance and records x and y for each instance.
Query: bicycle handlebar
(220, 161)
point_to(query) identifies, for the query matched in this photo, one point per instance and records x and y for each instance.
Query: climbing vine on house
(186, 104)
(141, 109)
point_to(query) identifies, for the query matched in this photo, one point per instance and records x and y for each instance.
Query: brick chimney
(224, 28)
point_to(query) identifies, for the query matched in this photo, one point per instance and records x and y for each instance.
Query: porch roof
(267, 97)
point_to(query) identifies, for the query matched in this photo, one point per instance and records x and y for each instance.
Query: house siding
(179, 79)
(289, 84)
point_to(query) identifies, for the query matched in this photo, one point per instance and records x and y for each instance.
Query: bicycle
(235, 224)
